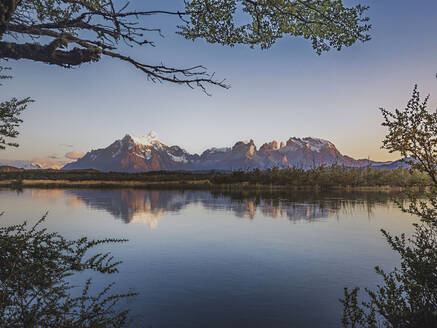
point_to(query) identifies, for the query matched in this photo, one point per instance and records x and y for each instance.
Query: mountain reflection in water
(149, 206)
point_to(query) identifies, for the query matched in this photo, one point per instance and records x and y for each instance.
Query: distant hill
(5, 168)
(148, 153)
(391, 165)
(22, 164)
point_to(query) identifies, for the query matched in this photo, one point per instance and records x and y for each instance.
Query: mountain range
(148, 153)
(22, 164)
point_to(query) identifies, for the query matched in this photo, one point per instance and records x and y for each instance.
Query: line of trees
(324, 177)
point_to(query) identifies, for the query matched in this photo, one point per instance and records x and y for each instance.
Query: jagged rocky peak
(244, 146)
(270, 146)
(252, 149)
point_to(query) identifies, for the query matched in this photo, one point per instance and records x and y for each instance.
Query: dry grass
(194, 184)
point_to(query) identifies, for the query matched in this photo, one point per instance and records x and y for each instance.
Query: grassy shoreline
(191, 184)
(321, 178)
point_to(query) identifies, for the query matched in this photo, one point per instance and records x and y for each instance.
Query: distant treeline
(323, 177)
(326, 177)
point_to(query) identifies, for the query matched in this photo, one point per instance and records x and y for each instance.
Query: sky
(285, 91)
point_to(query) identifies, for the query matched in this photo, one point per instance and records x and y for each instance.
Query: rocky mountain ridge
(148, 153)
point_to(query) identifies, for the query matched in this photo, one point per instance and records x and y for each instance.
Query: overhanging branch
(49, 54)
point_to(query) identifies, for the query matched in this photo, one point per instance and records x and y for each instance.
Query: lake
(222, 259)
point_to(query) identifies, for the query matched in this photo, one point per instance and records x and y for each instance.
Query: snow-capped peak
(314, 144)
(148, 140)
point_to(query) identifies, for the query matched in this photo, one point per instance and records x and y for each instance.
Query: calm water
(218, 260)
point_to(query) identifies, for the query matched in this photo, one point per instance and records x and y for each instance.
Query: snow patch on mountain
(147, 155)
(219, 150)
(118, 152)
(180, 159)
(149, 140)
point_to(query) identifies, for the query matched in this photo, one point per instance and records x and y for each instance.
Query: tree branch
(7, 9)
(49, 54)
(96, 27)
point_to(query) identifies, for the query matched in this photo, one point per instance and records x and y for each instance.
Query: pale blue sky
(277, 93)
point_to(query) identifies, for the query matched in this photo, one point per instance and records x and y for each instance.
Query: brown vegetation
(318, 178)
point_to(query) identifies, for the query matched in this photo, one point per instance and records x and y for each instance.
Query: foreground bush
(35, 267)
(407, 296)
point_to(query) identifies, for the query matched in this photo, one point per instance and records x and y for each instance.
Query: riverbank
(321, 178)
(192, 184)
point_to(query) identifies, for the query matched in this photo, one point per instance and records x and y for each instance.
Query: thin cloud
(74, 154)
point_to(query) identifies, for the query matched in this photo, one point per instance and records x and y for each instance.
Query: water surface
(201, 259)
